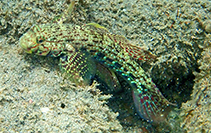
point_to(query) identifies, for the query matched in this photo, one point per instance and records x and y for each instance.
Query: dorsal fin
(97, 27)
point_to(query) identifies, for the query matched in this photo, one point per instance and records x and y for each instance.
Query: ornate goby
(82, 48)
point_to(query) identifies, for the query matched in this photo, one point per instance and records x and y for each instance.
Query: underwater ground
(36, 97)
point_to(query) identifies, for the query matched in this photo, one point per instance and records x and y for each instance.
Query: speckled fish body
(79, 47)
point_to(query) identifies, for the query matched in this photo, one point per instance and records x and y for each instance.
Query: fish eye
(40, 39)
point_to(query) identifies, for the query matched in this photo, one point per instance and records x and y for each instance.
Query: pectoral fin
(79, 67)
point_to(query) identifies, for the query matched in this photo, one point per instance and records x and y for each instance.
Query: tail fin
(151, 107)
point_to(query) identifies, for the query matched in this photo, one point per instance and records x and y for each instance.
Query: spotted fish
(82, 49)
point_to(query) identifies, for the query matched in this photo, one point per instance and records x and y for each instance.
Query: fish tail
(151, 107)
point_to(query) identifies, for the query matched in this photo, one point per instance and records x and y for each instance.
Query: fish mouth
(27, 41)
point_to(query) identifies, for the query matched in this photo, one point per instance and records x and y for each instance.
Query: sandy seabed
(35, 96)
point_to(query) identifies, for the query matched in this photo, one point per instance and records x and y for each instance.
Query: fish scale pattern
(81, 47)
